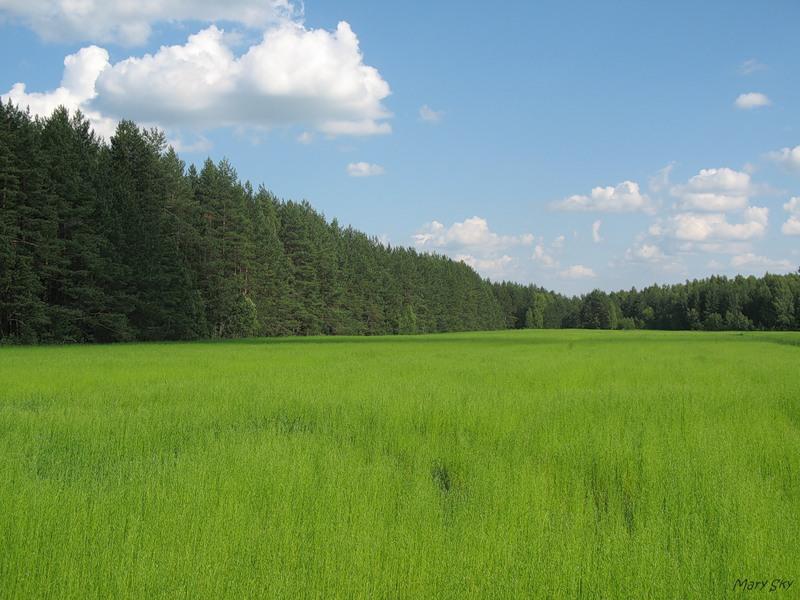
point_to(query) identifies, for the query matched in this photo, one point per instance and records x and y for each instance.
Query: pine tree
(24, 230)
(224, 270)
(269, 283)
(306, 305)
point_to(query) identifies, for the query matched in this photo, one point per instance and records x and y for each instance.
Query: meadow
(532, 464)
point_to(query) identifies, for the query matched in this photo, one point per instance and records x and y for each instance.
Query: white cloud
(596, 232)
(558, 243)
(488, 267)
(751, 261)
(705, 199)
(716, 190)
(792, 226)
(716, 247)
(752, 100)
(426, 113)
(473, 242)
(625, 197)
(363, 169)
(130, 23)
(200, 145)
(788, 157)
(77, 89)
(471, 233)
(694, 227)
(644, 253)
(751, 66)
(295, 75)
(306, 137)
(578, 272)
(542, 257)
(651, 256)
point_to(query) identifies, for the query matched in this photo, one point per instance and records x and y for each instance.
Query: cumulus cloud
(473, 242)
(752, 100)
(489, 267)
(752, 261)
(76, 91)
(130, 23)
(577, 272)
(703, 223)
(624, 197)
(596, 232)
(702, 227)
(787, 157)
(716, 190)
(471, 233)
(293, 76)
(792, 225)
(426, 113)
(363, 169)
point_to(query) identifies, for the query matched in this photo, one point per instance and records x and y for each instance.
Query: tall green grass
(553, 464)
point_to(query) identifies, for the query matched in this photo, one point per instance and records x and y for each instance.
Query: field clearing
(562, 464)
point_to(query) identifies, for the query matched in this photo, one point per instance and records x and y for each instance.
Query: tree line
(121, 241)
(718, 303)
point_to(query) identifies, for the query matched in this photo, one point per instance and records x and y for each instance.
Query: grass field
(562, 464)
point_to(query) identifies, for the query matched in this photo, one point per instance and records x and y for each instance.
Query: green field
(561, 464)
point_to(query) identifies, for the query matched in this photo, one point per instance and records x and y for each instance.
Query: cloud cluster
(294, 75)
(471, 233)
(130, 23)
(712, 214)
(703, 227)
(624, 197)
(717, 190)
(473, 242)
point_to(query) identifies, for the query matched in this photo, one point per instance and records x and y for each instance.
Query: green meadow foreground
(563, 464)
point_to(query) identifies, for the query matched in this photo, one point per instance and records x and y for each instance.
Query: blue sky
(570, 144)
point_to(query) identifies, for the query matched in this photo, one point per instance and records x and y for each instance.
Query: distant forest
(120, 241)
